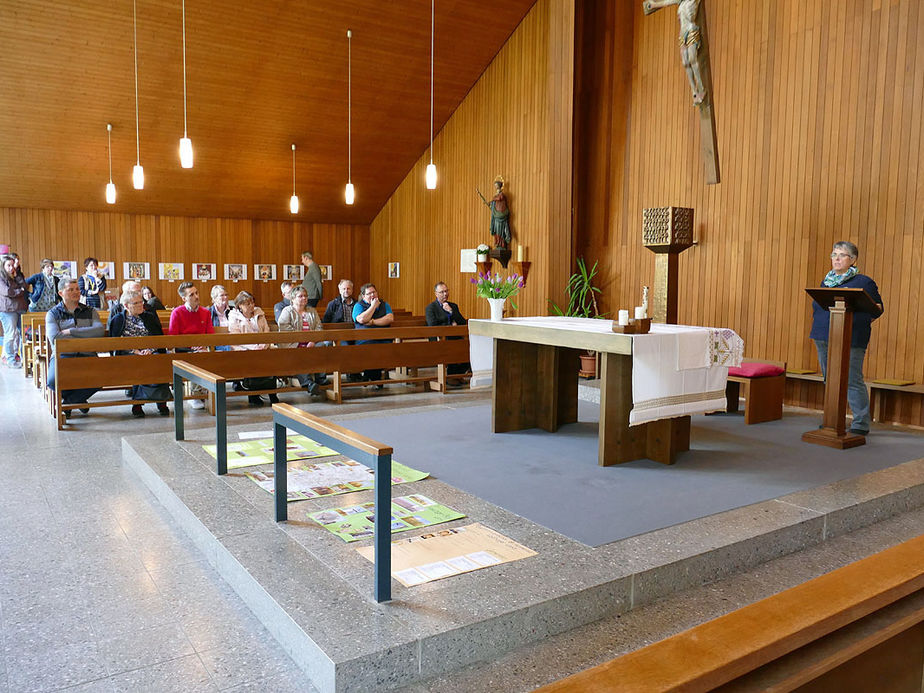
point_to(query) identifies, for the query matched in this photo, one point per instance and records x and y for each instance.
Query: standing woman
(300, 317)
(44, 288)
(246, 318)
(12, 305)
(844, 273)
(92, 284)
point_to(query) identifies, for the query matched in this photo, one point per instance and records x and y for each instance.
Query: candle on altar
(639, 312)
(521, 253)
(624, 317)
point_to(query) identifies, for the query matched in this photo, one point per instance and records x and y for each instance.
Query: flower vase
(497, 308)
(482, 258)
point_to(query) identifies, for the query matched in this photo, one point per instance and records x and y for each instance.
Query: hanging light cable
(349, 194)
(186, 150)
(430, 176)
(137, 170)
(293, 201)
(110, 186)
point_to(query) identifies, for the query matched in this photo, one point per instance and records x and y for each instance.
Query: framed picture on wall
(235, 272)
(171, 271)
(394, 270)
(136, 270)
(293, 272)
(327, 272)
(66, 268)
(107, 269)
(204, 271)
(264, 272)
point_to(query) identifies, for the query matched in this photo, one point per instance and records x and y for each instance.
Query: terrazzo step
(313, 592)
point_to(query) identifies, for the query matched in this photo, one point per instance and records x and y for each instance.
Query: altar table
(679, 370)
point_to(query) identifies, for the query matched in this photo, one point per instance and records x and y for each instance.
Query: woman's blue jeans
(857, 394)
(10, 322)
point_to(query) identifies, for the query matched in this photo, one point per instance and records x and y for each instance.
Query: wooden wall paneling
(73, 235)
(504, 126)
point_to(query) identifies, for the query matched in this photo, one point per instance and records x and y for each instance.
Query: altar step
(313, 592)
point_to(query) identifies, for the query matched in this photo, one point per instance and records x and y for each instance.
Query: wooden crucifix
(694, 54)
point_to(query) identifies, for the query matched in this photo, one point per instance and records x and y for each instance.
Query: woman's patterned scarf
(835, 279)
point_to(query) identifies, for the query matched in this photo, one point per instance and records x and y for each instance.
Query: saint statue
(500, 214)
(691, 40)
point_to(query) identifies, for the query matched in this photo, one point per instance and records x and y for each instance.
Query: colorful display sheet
(447, 552)
(315, 479)
(249, 453)
(355, 522)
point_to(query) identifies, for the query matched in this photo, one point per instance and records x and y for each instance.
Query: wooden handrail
(344, 435)
(721, 650)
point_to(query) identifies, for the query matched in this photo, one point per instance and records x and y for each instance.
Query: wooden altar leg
(660, 441)
(535, 386)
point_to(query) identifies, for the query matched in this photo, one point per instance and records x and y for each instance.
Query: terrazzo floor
(99, 591)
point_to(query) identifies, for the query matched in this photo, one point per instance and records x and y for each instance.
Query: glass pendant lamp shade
(349, 194)
(110, 186)
(138, 177)
(431, 176)
(293, 204)
(186, 152)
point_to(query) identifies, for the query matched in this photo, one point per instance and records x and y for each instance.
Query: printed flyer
(356, 522)
(249, 453)
(316, 479)
(447, 552)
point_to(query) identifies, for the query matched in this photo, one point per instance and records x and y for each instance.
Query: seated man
(340, 309)
(191, 318)
(443, 312)
(286, 288)
(70, 319)
(369, 313)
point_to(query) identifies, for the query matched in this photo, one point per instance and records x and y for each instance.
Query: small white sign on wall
(467, 260)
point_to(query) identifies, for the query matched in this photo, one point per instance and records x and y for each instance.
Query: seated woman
(151, 299)
(246, 318)
(135, 321)
(300, 317)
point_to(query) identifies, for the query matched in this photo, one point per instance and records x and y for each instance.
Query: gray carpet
(553, 478)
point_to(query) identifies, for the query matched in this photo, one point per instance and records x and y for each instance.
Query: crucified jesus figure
(690, 40)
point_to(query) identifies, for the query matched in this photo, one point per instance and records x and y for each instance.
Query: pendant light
(430, 176)
(186, 150)
(293, 201)
(110, 186)
(349, 195)
(137, 170)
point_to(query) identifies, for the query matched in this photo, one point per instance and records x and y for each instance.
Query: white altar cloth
(677, 370)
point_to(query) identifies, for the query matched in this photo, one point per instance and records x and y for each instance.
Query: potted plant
(497, 290)
(482, 252)
(582, 303)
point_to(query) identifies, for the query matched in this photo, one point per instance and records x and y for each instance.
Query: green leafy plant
(582, 294)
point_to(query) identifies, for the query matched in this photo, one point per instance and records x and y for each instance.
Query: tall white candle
(624, 317)
(520, 253)
(639, 312)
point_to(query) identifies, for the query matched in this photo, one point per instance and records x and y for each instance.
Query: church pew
(860, 627)
(116, 372)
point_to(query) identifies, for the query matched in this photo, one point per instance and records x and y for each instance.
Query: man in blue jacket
(370, 312)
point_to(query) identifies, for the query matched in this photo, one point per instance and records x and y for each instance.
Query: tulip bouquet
(493, 286)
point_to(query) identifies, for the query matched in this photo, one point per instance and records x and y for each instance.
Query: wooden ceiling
(260, 76)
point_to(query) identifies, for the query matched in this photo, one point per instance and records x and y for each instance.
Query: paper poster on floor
(315, 479)
(249, 453)
(356, 522)
(447, 552)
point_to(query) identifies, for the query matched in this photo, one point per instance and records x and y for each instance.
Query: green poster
(249, 453)
(315, 479)
(355, 522)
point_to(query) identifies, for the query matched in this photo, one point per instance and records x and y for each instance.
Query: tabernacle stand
(841, 304)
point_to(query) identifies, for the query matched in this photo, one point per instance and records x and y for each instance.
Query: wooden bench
(858, 628)
(763, 394)
(879, 393)
(119, 372)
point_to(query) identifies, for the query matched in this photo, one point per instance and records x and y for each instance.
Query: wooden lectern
(841, 304)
